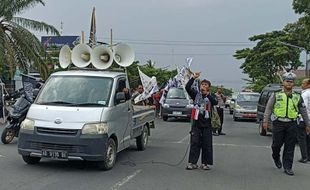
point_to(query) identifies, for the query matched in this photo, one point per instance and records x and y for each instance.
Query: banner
(180, 80)
(149, 86)
(59, 41)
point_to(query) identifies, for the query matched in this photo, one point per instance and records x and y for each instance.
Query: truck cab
(83, 115)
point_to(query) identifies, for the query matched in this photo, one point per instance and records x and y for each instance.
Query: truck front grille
(48, 146)
(70, 132)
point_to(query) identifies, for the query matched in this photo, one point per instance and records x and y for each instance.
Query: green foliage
(18, 46)
(301, 6)
(263, 61)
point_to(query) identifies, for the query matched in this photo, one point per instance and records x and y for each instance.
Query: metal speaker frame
(65, 56)
(102, 57)
(81, 55)
(124, 55)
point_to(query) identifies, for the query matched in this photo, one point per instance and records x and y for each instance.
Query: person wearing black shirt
(201, 129)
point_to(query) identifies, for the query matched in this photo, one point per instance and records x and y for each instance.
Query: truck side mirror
(35, 92)
(120, 98)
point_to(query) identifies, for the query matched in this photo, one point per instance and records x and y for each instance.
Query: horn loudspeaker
(65, 56)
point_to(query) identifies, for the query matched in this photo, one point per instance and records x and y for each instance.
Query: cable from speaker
(132, 163)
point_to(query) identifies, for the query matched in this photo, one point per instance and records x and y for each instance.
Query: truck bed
(142, 115)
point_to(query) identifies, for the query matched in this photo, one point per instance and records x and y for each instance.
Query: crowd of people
(289, 113)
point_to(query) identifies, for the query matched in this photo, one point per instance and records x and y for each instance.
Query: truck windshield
(76, 91)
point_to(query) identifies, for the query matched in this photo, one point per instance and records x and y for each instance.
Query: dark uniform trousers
(284, 133)
(201, 139)
(303, 141)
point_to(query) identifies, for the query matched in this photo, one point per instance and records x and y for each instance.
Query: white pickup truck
(84, 115)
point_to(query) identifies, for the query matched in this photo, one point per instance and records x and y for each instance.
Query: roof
(96, 73)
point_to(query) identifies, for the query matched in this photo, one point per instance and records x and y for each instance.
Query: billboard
(59, 41)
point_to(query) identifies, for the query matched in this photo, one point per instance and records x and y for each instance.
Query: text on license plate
(55, 154)
(249, 115)
(177, 113)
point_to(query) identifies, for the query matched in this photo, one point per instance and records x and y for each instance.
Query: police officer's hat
(288, 76)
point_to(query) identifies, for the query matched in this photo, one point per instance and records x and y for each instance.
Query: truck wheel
(262, 131)
(143, 139)
(7, 135)
(165, 118)
(110, 156)
(31, 160)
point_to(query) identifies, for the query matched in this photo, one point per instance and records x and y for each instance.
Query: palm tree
(18, 46)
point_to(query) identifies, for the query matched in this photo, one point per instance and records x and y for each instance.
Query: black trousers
(201, 140)
(220, 111)
(284, 133)
(303, 141)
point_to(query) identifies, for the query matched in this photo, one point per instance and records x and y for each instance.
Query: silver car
(176, 105)
(245, 106)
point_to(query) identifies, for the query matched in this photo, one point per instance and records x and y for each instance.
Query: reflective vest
(285, 107)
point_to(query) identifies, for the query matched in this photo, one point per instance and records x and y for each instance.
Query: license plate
(54, 154)
(249, 115)
(177, 113)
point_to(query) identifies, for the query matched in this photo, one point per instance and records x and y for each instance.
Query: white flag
(189, 61)
(149, 86)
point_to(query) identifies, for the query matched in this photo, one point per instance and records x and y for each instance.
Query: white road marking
(241, 145)
(216, 144)
(1, 156)
(125, 180)
(182, 140)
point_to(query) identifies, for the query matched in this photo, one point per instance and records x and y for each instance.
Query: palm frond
(28, 47)
(9, 8)
(35, 25)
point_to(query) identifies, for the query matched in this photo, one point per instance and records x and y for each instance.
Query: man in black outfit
(201, 129)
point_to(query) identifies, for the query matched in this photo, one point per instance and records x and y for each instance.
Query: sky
(169, 31)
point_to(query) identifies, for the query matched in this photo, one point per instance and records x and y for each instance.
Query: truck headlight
(95, 129)
(27, 124)
(166, 106)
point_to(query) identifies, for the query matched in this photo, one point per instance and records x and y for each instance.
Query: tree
(18, 46)
(263, 61)
(301, 6)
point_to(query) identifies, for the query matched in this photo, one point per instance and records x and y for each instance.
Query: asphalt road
(242, 162)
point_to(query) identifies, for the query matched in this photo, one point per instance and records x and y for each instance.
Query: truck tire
(262, 131)
(110, 157)
(31, 160)
(165, 118)
(7, 135)
(143, 139)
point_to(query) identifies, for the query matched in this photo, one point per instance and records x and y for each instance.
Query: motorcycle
(18, 112)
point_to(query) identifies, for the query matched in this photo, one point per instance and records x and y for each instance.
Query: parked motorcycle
(19, 111)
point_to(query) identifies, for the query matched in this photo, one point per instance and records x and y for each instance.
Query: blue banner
(59, 41)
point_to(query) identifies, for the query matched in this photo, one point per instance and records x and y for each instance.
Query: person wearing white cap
(284, 108)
